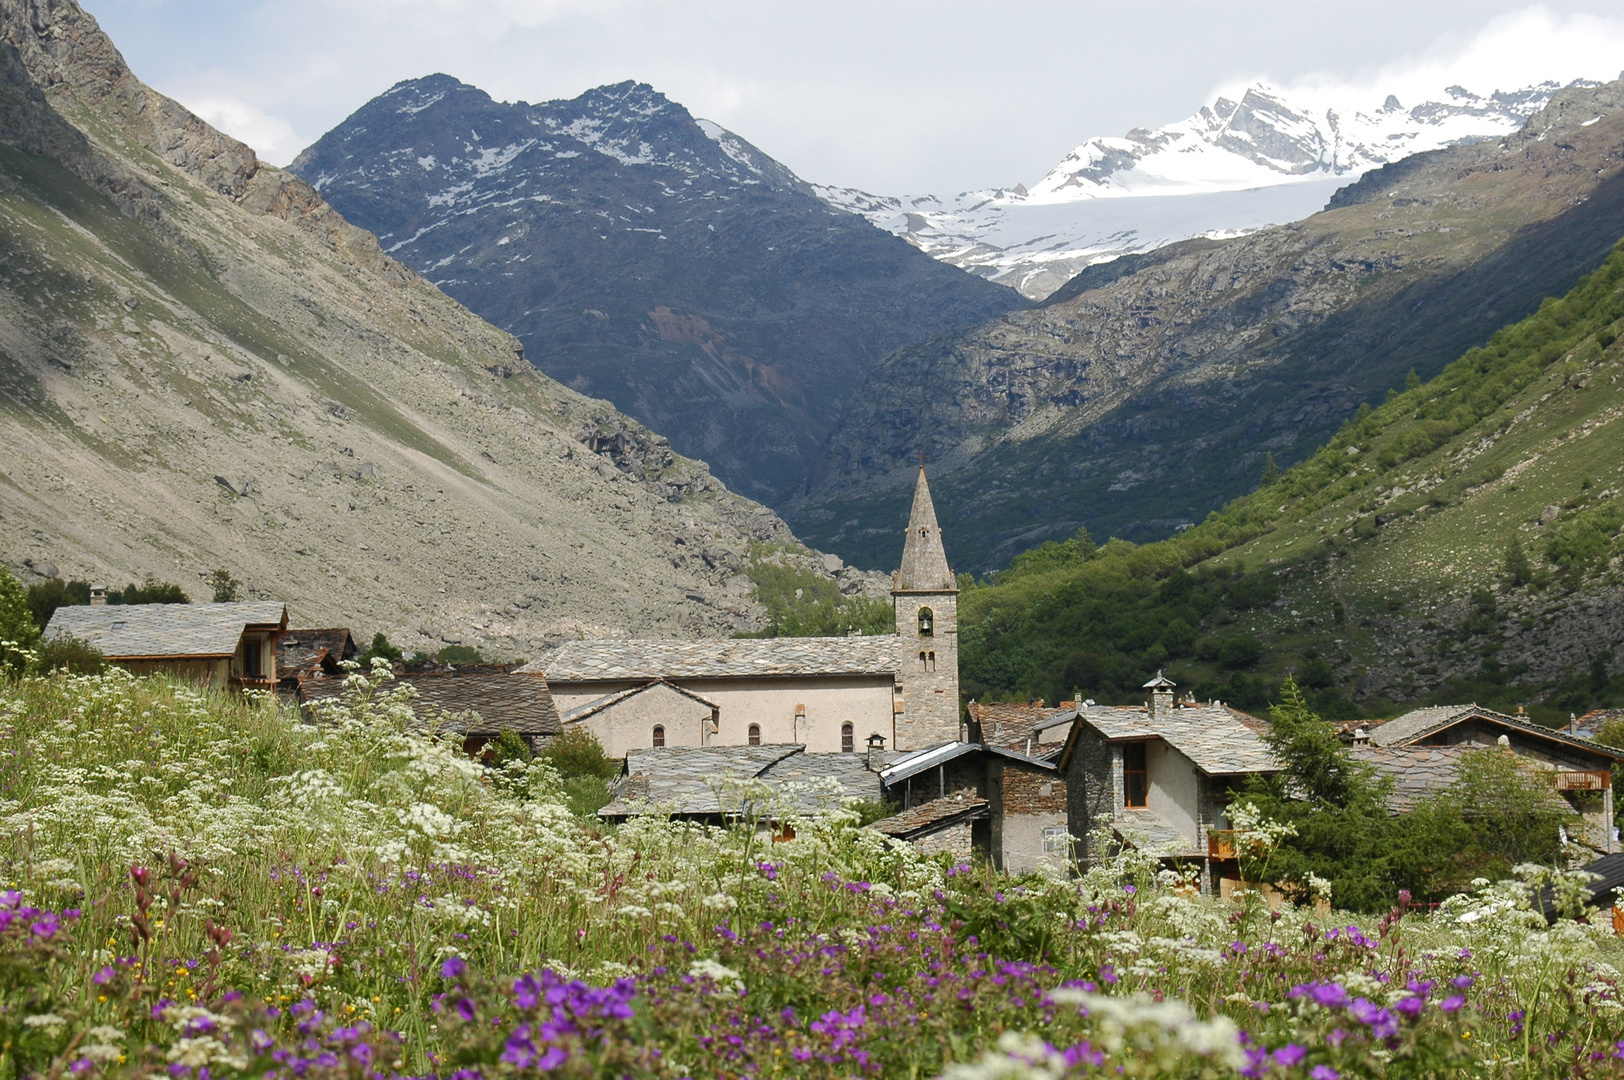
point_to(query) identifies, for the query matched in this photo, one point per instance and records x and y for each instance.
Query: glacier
(1264, 157)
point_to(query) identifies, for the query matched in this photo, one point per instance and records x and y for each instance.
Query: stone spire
(924, 560)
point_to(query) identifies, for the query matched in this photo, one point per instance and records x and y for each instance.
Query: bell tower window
(927, 622)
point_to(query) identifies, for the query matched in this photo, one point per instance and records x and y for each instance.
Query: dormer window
(927, 622)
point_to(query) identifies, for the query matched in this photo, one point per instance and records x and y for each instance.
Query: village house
(1579, 769)
(476, 701)
(830, 695)
(1160, 777)
(302, 654)
(223, 645)
(977, 797)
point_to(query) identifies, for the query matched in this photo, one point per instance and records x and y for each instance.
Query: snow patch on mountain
(1263, 157)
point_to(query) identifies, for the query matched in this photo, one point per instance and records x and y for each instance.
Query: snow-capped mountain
(1234, 166)
(647, 256)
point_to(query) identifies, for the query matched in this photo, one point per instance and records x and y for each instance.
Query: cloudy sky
(893, 96)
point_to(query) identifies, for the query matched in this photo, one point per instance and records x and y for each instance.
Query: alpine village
(543, 589)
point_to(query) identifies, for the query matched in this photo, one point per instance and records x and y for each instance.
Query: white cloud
(1515, 50)
(272, 138)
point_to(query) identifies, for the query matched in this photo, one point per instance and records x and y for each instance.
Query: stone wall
(1093, 781)
(929, 688)
(1026, 802)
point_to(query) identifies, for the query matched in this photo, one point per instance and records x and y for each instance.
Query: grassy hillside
(1459, 541)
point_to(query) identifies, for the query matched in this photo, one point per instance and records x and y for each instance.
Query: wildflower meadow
(195, 885)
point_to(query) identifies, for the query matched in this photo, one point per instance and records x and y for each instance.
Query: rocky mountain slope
(647, 257)
(204, 365)
(1462, 541)
(1267, 158)
(1147, 392)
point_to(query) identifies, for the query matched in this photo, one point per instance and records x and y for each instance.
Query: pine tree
(1518, 569)
(1271, 471)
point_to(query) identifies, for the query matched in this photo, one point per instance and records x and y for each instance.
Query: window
(847, 744)
(755, 734)
(250, 658)
(1135, 775)
(930, 661)
(1055, 840)
(927, 622)
(659, 734)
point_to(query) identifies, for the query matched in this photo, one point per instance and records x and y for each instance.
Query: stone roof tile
(1209, 735)
(932, 817)
(136, 631)
(498, 700)
(637, 659)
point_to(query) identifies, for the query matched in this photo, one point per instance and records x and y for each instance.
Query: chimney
(1521, 711)
(876, 752)
(800, 724)
(1160, 704)
(98, 594)
(1361, 737)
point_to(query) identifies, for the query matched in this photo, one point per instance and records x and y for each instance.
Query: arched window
(930, 661)
(923, 664)
(659, 734)
(846, 743)
(927, 622)
(755, 734)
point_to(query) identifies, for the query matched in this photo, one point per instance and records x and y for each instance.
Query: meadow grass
(202, 885)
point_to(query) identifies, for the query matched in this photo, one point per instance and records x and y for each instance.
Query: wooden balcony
(1582, 779)
(239, 682)
(1220, 843)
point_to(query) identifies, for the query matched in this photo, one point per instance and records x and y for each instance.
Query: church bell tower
(926, 599)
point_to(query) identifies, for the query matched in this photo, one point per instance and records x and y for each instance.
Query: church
(830, 695)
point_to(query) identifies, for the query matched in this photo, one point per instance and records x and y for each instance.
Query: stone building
(722, 784)
(830, 695)
(976, 797)
(225, 645)
(1160, 777)
(1578, 769)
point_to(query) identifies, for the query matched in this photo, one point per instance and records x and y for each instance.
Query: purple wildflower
(1323, 1072)
(1290, 1054)
(453, 967)
(1452, 1003)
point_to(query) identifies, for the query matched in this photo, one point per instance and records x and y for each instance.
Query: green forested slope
(1461, 541)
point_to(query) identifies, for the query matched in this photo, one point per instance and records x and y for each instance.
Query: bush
(16, 621)
(459, 654)
(225, 588)
(577, 752)
(381, 649)
(1239, 651)
(66, 653)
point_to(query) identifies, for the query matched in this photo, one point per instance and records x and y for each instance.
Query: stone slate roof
(1209, 735)
(1421, 771)
(1606, 885)
(499, 699)
(149, 631)
(1416, 771)
(591, 708)
(634, 659)
(1418, 724)
(920, 761)
(932, 817)
(1149, 831)
(1011, 724)
(714, 781)
(302, 653)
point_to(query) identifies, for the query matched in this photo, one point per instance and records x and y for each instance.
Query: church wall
(772, 702)
(629, 724)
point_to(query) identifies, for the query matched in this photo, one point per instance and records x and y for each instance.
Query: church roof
(625, 659)
(924, 560)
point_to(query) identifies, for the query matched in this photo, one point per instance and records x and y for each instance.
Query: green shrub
(577, 752)
(16, 621)
(381, 649)
(66, 653)
(459, 654)
(225, 588)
